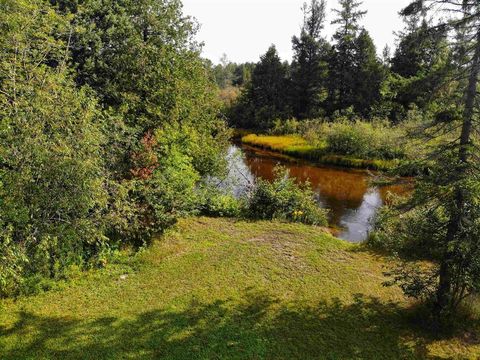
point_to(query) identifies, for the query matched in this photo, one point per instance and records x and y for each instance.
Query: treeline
(109, 124)
(346, 76)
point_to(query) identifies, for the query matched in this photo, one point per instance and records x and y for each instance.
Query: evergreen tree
(421, 62)
(446, 200)
(309, 67)
(343, 67)
(269, 88)
(243, 74)
(266, 96)
(418, 50)
(369, 75)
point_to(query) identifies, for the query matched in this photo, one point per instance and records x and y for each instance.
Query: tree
(266, 96)
(269, 88)
(369, 75)
(142, 60)
(51, 168)
(421, 62)
(448, 196)
(309, 67)
(243, 74)
(224, 72)
(343, 68)
(108, 126)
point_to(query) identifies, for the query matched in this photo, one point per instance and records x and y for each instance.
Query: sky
(244, 29)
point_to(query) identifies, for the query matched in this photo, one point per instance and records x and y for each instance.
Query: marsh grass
(298, 147)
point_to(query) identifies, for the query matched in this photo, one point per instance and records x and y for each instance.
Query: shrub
(364, 140)
(283, 199)
(401, 232)
(161, 189)
(217, 203)
(12, 262)
(285, 127)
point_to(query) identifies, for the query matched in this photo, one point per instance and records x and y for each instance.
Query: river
(348, 194)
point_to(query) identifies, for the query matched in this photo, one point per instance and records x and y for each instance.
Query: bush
(401, 232)
(283, 199)
(217, 203)
(364, 140)
(12, 262)
(285, 127)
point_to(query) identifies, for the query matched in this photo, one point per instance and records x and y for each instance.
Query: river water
(348, 194)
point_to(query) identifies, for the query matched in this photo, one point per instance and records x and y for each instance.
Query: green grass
(296, 146)
(225, 289)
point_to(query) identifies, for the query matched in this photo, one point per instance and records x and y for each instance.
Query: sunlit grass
(226, 289)
(296, 146)
(278, 143)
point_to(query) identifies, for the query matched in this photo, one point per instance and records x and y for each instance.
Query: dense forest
(113, 127)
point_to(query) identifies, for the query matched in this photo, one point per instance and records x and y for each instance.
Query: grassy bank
(222, 289)
(296, 146)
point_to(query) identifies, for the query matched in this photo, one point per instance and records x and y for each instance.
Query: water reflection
(347, 193)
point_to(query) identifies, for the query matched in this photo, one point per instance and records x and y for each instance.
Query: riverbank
(228, 289)
(297, 147)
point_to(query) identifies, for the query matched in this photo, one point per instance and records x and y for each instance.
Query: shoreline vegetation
(297, 147)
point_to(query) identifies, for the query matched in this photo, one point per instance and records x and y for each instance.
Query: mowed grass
(226, 289)
(296, 146)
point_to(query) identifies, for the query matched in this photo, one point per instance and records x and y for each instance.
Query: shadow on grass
(255, 327)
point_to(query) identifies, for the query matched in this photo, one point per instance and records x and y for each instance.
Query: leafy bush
(402, 232)
(364, 140)
(285, 127)
(218, 203)
(12, 262)
(83, 169)
(283, 199)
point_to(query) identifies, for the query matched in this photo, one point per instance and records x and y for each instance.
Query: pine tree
(342, 64)
(447, 199)
(266, 97)
(309, 67)
(420, 62)
(369, 75)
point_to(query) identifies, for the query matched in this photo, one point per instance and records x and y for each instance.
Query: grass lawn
(226, 289)
(296, 146)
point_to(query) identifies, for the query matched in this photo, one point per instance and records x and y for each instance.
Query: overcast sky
(244, 29)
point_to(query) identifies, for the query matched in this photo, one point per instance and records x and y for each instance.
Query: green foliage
(264, 97)
(403, 232)
(420, 66)
(285, 127)
(364, 140)
(50, 150)
(353, 57)
(12, 262)
(228, 74)
(309, 69)
(416, 230)
(443, 214)
(109, 121)
(218, 203)
(284, 200)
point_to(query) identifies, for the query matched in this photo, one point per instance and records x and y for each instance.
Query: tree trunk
(444, 302)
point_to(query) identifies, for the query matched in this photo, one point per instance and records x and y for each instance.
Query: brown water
(353, 202)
